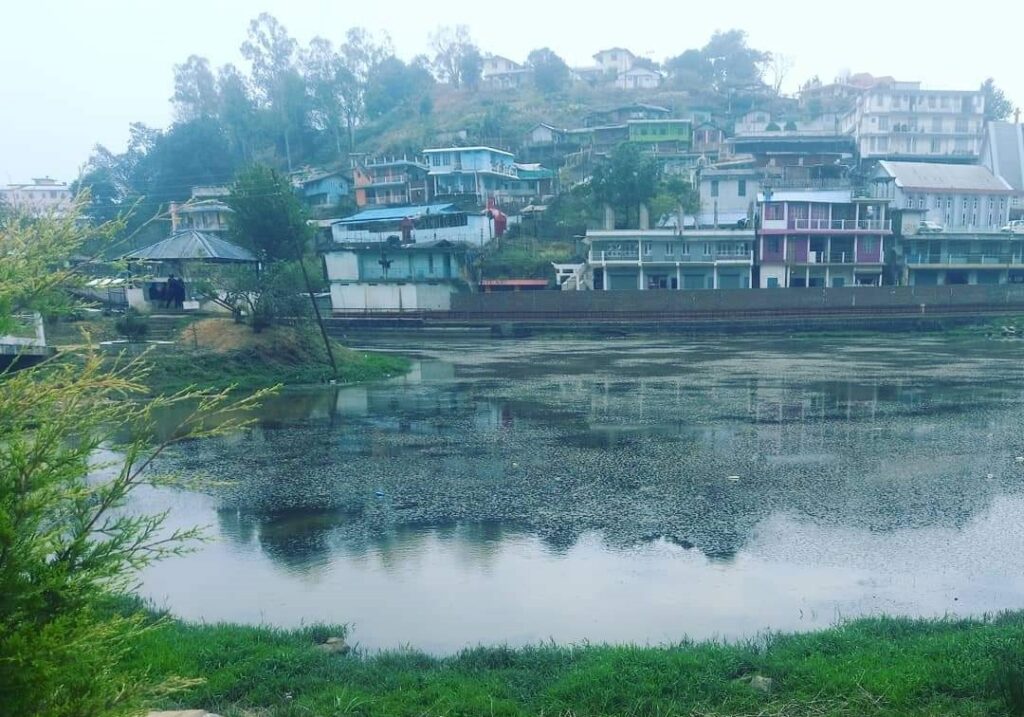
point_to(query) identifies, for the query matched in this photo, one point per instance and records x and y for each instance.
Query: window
(883, 124)
(931, 101)
(936, 146)
(741, 188)
(949, 202)
(773, 282)
(430, 263)
(961, 126)
(670, 248)
(714, 187)
(648, 248)
(921, 202)
(774, 211)
(774, 245)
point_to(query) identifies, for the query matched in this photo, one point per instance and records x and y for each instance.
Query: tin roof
(192, 245)
(386, 214)
(944, 177)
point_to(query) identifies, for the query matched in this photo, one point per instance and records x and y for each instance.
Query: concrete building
(638, 78)
(615, 61)
(955, 197)
(394, 276)
(485, 174)
(42, 196)
(1002, 152)
(390, 181)
(821, 238)
(728, 196)
(899, 120)
(961, 257)
(502, 73)
(647, 259)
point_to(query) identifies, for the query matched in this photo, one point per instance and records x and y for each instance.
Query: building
(42, 196)
(662, 136)
(502, 73)
(390, 181)
(432, 222)
(638, 78)
(395, 275)
(708, 139)
(624, 113)
(646, 259)
(484, 174)
(901, 121)
(615, 61)
(1002, 152)
(728, 196)
(955, 197)
(322, 190)
(821, 238)
(205, 211)
(959, 257)
(818, 143)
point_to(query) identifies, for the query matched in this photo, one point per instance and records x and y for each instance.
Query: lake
(638, 490)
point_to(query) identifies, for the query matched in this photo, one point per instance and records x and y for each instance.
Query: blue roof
(397, 213)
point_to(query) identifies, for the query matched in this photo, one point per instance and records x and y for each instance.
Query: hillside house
(502, 73)
(390, 181)
(432, 222)
(205, 211)
(638, 78)
(322, 190)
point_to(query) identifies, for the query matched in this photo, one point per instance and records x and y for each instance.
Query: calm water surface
(625, 490)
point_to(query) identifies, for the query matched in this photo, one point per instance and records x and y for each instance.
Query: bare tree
(779, 66)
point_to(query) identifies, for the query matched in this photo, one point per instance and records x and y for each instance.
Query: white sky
(77, 72)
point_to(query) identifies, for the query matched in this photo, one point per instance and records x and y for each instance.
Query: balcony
(618, 255)
(841, 225)
(963, 259)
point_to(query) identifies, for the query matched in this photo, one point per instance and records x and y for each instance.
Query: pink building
(821, 238)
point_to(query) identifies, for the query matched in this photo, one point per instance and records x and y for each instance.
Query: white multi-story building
(956, 197)
(727, 196)
(42, 196)
(1003, 153)
(899, 120)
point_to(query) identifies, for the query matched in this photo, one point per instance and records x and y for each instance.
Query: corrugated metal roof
(944, 177)
(192, 245)
(396, 213)
(1006, 146)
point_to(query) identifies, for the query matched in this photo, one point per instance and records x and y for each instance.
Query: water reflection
(492, 467)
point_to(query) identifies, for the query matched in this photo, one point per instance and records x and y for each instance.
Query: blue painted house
(325, 189)
(484, 173)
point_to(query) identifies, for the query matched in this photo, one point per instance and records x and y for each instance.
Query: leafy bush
(133, 325)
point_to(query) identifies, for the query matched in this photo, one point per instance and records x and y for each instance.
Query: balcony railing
(841, 225)
(980, 259)
(620, 255)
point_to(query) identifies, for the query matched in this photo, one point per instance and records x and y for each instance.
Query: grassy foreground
(216, 353)
(867, 667)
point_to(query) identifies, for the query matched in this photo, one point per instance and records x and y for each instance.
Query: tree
(690, 70)
(394, 85)
(733, 63)
(271, 53)
(997, 106)
(627, 180)
(75, 441)
(779, 66)
(673, 195)
(195, 90)
(269, 219)
(329, 81)
(550, 73)
(235, 109)
(455, 56)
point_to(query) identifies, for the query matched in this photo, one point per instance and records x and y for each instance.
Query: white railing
(841, 225)
(948, 259)
(620, 255)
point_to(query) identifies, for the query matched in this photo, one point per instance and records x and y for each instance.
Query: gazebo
(174, 255)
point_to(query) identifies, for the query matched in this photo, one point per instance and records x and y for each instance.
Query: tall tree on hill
(997, 106)
(271, 53)
(689, 71)
(452, 45)
(394, 85)
(328, 80)
(235, 109)
(360, 54)
(550, 73)
(195, 89)
(734, 64)
(627, 180)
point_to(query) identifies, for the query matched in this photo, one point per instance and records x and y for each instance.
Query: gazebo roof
(192, 245)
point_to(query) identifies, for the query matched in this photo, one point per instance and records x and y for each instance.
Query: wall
(391, 297)
(553, 304)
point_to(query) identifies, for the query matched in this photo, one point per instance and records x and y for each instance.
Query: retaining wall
(739, 300)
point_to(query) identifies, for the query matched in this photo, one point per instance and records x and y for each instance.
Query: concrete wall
(682, 302)
(391, 297)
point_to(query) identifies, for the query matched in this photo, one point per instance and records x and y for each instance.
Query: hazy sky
(77, 72)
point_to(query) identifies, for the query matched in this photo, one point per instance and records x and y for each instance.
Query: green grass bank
(879, 666)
